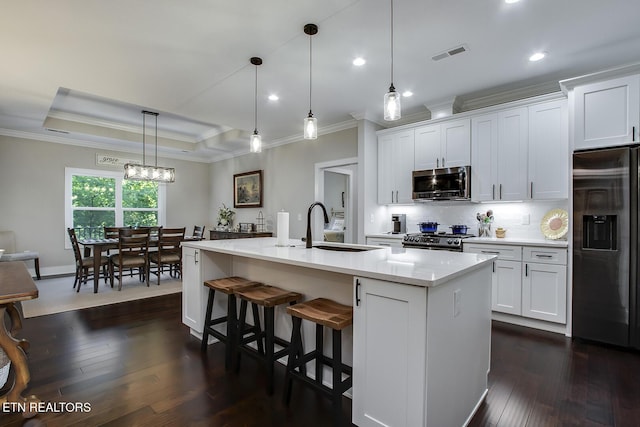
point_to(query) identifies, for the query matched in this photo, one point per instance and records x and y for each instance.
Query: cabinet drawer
(544, 255)
(507, 252)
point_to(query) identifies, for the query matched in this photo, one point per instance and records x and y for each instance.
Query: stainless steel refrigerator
(605, 246)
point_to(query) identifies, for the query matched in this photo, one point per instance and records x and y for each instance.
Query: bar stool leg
(232, 327)
(295, 351)
(256, 322)
(319, 354)
(337, 378)
(269, 314)
(207, 319)
(241, 331)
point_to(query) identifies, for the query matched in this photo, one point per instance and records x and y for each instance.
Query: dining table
(16, 285)
(98, 246)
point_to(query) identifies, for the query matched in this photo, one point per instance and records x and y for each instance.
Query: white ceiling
(88, 67)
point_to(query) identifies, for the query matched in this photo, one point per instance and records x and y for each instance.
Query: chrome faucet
(326, 220)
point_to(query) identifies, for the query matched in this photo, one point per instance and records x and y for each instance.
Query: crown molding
(509, 95)
(624, 70)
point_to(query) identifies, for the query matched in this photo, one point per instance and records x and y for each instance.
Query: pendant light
(146, 172)
(255, 141)
(391, 98)
(310, 122)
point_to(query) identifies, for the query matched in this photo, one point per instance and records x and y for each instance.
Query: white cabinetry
(389, 334)
(549, 150)
(192, 300)
(607, 113)
(520, 153)
(385, 241)
(544, 284)
(445, 144)
(528, 281)
(395, 165)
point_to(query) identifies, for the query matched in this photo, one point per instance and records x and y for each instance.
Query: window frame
(69, 173)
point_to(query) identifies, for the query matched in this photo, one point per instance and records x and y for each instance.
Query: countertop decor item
(484, 223)
(225, 217)
(555, 224)
(500, 232)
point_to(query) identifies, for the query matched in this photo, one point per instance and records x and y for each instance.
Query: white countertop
(411, 266)
(518, 241)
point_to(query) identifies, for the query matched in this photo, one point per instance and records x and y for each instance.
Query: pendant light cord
(255, 109)
(144, 131)
(391, 43)
(310, 73)
(156, 140)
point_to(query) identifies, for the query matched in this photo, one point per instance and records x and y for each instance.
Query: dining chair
(169, 252)
(84, 264)
(198, 232)
(133, 252)
(8, 243)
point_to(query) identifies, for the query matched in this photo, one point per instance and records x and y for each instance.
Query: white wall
(288, 174)
(32, 195)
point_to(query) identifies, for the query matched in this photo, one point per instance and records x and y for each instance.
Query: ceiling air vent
(450, 52)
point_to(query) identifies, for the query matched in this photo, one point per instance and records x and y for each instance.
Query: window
(95, 199)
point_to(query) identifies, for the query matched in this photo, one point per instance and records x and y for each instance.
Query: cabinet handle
(357, 292)
(493, 192)
(196, 256)
(438, 162)
(531, 189)
(397, 197)
(494, 266)
(526, 270)
(500, 193)
(633, 134)
(491, 252)
(443, 162)
(544, 256)
(391, 196)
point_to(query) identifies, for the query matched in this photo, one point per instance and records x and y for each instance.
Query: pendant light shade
(392, 110)
(146, 172)
(310, 123)
(255, 141)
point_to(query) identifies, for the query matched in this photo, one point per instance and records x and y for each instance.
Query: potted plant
(225, 217)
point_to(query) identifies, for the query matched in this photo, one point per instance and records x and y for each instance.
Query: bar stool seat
(268, 297)
(228, 286)
(324, 313)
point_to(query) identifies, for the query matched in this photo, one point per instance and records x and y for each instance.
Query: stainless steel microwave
(442, 184)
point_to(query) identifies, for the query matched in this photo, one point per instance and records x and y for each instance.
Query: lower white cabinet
(384, 241)
(192, 292)
(544, 284)
(528, 281)
(389, 333)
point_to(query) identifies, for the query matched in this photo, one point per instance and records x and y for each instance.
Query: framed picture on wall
(247, 190)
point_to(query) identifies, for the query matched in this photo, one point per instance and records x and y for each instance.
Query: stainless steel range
(435, 241)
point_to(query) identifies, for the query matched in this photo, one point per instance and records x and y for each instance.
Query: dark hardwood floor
(136, 365)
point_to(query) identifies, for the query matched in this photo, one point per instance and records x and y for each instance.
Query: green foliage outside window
(98, 196)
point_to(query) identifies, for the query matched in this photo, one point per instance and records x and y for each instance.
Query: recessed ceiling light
(273, 97)
(359, 62)
(537, 56)
(511, 1)
(407, 93)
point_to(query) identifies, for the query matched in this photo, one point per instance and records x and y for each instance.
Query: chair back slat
(169, 240)
(75, 245)
(133, 242)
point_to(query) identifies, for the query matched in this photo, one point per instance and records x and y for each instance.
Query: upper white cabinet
(520, 153)
(445, 144)
(395, 165)
(607, 113)
(499, 155)
(549, 150)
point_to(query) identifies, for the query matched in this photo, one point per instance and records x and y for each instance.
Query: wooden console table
(16, 285)
(217, 235)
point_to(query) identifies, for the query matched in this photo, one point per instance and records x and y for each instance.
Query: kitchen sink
(344, 248)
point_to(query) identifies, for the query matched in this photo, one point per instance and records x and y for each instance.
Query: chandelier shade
(144, 172)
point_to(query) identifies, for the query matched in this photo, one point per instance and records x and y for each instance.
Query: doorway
(335, 188)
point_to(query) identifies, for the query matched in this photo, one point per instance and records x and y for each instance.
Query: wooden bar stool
(269, 297)
(324, 313)
(228, 286)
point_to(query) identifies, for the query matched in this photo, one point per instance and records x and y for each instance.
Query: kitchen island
(420, 343)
